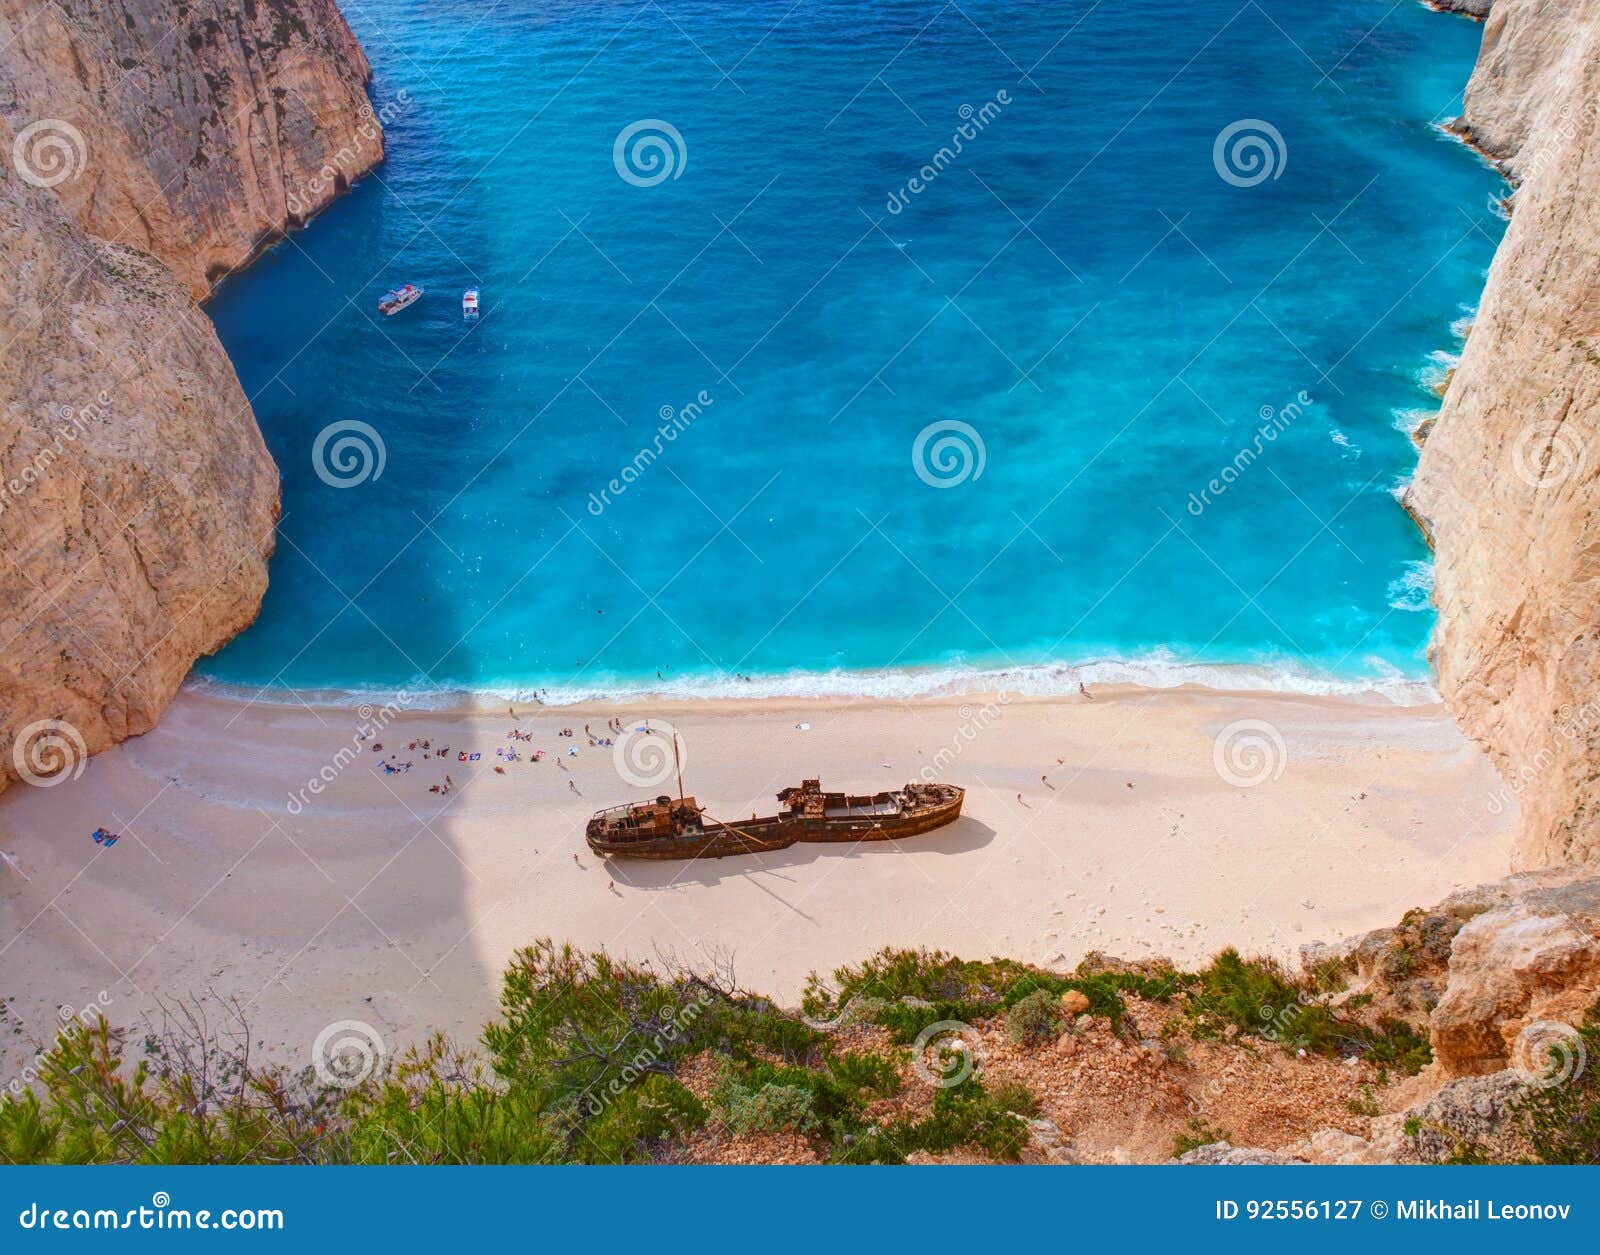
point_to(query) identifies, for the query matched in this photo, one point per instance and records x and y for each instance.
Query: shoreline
(1169, 822)
(937, 682)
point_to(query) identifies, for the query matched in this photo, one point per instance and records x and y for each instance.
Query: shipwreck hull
(863, 819)
(714, 842)
(887, 829)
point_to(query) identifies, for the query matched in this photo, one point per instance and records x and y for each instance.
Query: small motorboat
(392, 302)
(469, 305)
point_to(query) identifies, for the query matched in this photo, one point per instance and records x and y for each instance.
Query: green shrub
(869, 1073)
(911, 989)
(766, 1109)
(965, 1116)
(636, 1121)
(1562, 1121)
(1258, 997)
(1034, 1020)
(1196, 1134)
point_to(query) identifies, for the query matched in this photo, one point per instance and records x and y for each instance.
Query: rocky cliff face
(1472, 8)
(148, 147)
(139, 502)
(1509, 479)
(203, 130)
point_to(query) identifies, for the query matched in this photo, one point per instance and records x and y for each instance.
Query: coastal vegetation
(594, 1059)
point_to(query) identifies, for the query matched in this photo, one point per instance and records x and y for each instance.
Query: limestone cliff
(148, 146)
(139, 502)
(1509, 478)
(208, 128)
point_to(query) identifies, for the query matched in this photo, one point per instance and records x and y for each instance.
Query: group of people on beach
(393, 764)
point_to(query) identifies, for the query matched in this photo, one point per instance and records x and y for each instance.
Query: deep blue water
(1080, 286)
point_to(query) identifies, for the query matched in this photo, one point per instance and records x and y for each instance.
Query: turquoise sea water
(1111, 310)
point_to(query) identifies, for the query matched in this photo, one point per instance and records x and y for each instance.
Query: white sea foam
(1408, 420)
(1436, 373)
(1412, 590)
(1159, 670)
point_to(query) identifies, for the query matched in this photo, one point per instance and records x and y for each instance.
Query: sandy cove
(382, 902)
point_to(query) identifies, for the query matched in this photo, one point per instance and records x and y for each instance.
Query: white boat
(392, 302)
(469, 304)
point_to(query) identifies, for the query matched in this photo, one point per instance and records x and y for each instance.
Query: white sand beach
(384, 903)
